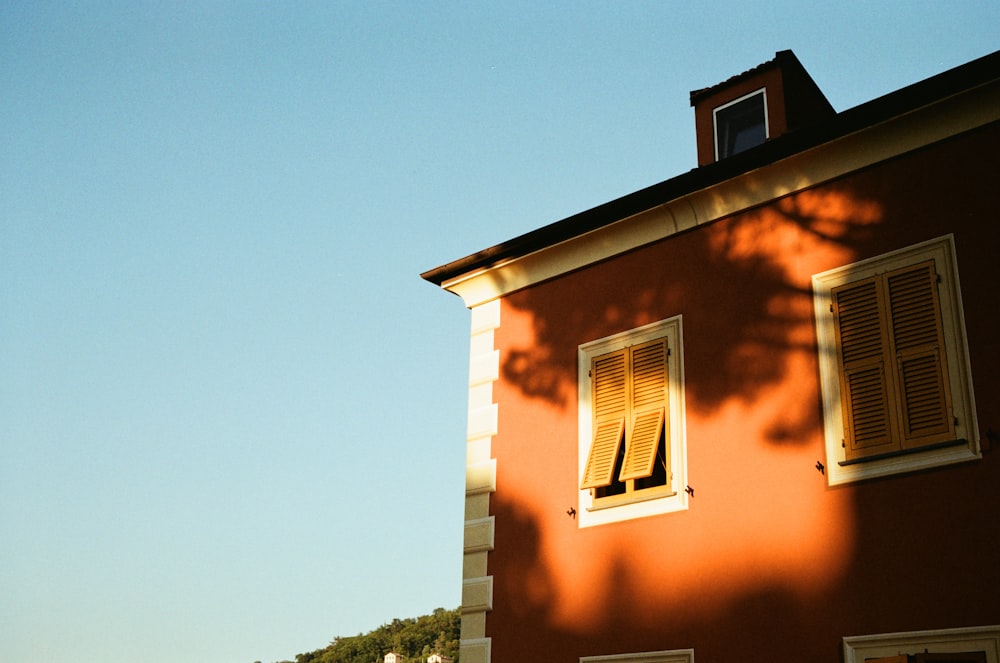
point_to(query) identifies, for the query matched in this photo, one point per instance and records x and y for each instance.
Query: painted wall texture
(768, 563)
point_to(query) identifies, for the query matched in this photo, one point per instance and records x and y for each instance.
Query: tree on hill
(415, 639)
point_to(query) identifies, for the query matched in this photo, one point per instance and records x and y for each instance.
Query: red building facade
(749, 413)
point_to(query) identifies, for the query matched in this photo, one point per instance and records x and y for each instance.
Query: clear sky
(232, 416)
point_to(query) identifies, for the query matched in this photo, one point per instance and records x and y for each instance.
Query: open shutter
(649, 402)
(866, 390)
(920, 362)
(610, 400)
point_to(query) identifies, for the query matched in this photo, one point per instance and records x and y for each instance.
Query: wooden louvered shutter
(608, 376)
(865, 379)
(920, 364)
(648, 363)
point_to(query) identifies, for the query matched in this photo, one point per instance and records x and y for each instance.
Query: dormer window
(761, 104)
(740, 124)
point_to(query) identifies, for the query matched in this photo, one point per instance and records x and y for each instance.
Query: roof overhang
(946, 105)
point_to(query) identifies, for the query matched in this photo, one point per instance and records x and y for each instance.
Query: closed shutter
(920, 359)
(610, 403)
(649, 400)
(893, 370)
(865, 381)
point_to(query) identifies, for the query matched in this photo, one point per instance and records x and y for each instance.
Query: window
(672, 656)
(980, 644)
(893, 364)
(632, 460)
(740, 124)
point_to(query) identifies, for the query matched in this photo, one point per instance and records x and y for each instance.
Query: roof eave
(897, 103)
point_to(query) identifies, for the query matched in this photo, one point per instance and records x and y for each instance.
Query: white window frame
(977, 638)
(671, 329)
(942, 251)
(715, 116)
(667, 656)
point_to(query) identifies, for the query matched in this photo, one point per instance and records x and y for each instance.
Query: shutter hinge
(937, 276)
(831, 308)
(956, 421)
(842, 444)
(669, 352)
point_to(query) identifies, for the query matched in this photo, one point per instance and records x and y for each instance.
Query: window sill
(903, 452)
(615, 501)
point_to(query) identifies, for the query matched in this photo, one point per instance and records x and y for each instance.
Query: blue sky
(232, 415)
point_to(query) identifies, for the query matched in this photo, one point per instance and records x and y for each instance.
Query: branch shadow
(908, 545)
(746, 312)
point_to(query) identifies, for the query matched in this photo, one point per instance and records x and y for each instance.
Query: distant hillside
(416, 639)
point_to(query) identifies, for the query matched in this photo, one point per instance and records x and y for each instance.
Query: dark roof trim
(940, 86)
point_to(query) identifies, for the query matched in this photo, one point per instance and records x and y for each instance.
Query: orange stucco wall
(768, 563)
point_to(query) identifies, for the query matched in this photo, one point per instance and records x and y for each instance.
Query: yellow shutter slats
(893, 374)
(920, 364)
(649, 374)
(860, 323)
(865, 386)
(640, 452)
(603, 453)
(648, 363)
(925, 410)
(609, 375)
(913, 303)
(867, 408)
(629, 388)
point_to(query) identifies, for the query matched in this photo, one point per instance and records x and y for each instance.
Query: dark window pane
(740, 126)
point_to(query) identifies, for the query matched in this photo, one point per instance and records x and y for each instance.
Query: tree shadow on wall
(528, 607)
(743, 288)
(741, 284)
